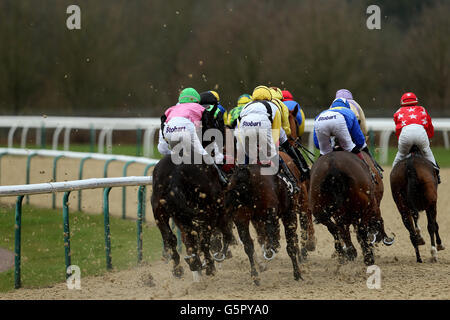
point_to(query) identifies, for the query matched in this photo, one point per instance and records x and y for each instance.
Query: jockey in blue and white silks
(338, 121)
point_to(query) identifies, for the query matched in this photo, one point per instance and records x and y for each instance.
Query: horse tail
(240, 194)
(176, 197)
(336, 185)
(412, 186)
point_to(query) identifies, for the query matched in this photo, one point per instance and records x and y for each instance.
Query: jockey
(184, 118)
(413, 126)
(339, 121)
(358, 111)
(285, 132)
(212, 98)
(355, 107)
(263, 114)
(234, 113)
(288, 100)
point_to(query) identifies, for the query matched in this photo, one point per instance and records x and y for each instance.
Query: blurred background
(131, 58)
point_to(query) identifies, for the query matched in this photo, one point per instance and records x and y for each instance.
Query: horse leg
(420, 240)
(290, 228)
(244, 235)
(349, 250)
(192, 258)
(260, 229)
(205, 246)
(169, 243)
(431, 226)
(408, 222)
(308, 239)
(333, 229)
(365, 245)
(440, 246)
(272, 227)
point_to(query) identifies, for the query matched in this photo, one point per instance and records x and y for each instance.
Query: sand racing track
(324, 278)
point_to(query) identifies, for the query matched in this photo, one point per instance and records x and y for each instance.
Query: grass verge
(43, 245)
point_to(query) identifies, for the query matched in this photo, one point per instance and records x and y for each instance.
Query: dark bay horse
(307, 238)
(262, 200)
(343, 193)
(192, 195)
(414, 189)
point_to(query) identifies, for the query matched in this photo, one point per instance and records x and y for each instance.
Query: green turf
(43, 261)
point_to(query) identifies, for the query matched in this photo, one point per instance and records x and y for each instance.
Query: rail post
(1, 156)
(105, 168)
(91, 138)
(43, 136)
(17, 242)
(55, 160)
(139, 222)
(145, 190)
(28, 173)
(138, 141)
(66, 229)
(80, 176)
(124, 194)
(107, 227)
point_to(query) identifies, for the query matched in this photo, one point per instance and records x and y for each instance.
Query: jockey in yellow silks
(285, 133)
(260, 120)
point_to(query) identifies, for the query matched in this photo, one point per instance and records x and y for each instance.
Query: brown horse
(307, 238)
(414, 189)
(262, 200)
(192, 195)
(343, 193)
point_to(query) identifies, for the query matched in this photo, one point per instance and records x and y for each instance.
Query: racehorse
(262, 200)
(342, 193)
(307, 238)
(414, 189)
(190, 194)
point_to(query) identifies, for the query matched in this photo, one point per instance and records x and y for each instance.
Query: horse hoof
(219, 256)
(303, 255)
(420, 241)
(178, 271)
(369, 261)
(434, 259)
(440, 247)
(419, 260)
(257, 282)
(310, 245)
(211, 271)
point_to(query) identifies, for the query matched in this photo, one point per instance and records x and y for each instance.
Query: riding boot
(377, 166)
(437, 169)
(289, 176)
(291, 151)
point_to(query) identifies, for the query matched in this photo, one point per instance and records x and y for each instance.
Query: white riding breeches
(254, 138)
(182, 130)
(283, 136)
(328, 124)
(413, 134)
